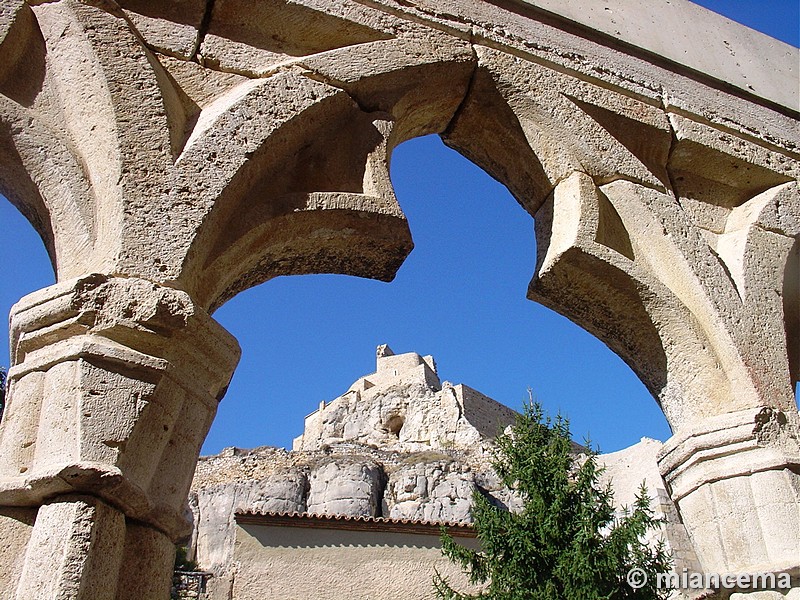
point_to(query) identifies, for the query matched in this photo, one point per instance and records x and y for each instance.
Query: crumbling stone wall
(380, 476)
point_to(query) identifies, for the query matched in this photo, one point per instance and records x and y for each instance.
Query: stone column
(114, 385)
(735, 480)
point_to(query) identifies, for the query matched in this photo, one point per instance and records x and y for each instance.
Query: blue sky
(460, 296)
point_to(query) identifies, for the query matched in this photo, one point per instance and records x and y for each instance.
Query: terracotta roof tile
(352, 522)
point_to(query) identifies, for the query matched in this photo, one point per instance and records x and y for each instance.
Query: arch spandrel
(97, 76)
(303, 180)
(659, 264)
(133, 142)
(190, 157)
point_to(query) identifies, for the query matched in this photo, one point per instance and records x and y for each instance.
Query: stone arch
(536, 154)
(298, 206)
(664, 227)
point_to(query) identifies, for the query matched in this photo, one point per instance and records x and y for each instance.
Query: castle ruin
(398, 454)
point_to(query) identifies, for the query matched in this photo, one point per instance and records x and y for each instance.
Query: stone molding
(158, 350)
(351, 523)
(729, 445)
(734, 478)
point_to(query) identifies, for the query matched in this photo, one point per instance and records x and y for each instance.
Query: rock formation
(404, 407)
(397, 444)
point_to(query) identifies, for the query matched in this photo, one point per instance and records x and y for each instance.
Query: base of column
(83, 549)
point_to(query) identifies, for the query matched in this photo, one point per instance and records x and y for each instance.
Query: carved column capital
(735, 480)
(114, 386)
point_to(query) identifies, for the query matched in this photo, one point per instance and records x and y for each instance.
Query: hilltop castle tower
(404, 406)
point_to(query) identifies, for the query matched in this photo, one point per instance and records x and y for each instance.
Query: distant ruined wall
(486, 416)
(403, 405)
(353, 468)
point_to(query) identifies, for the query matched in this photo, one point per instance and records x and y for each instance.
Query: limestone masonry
(397, 445)
(174, 153)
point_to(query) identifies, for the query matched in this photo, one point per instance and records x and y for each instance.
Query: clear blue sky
(459, 296)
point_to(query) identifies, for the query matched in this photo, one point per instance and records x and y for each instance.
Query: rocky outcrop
(343, 479)
(398, 445)
(346, 487)
(430, 488)
(403, 406)
(213, 508)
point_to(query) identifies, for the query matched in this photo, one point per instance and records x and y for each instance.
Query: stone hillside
(397, 444)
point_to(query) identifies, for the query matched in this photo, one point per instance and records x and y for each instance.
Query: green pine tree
(565, 543)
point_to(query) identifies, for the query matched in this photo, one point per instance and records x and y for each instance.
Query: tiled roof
(352, 523)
